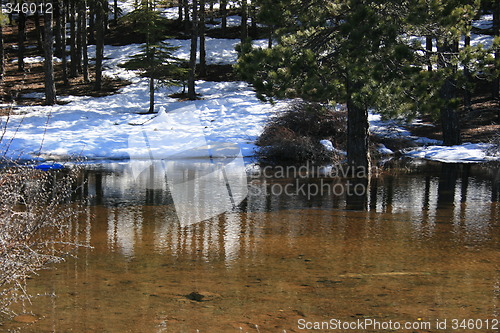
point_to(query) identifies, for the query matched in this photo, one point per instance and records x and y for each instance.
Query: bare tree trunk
(115, 12)
(79, 33)
(57, 28)
(180, 8)
(91, 4)
(186, 15)
(151, 95)
(468, 79)
(50, 87)
(2, 53)
(21, 37)
(244, 19)
(38, 31)
(99, 43)
(496, 32)
(192, 58)
(72, 39)
(203, 52)
(85, 59)
(63, 9)
(223, 13)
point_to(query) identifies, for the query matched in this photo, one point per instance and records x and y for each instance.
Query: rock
(202, 296)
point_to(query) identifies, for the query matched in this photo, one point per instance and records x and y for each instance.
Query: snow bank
(466, 153)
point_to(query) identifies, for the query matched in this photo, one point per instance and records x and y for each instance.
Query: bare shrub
(37, 220)
(295, 134)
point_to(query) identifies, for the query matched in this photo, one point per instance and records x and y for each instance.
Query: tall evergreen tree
(345, 52)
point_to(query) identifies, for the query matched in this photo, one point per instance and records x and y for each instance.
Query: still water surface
(422, 245)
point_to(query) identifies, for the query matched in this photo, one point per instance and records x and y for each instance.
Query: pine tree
(155, 61)
(342, 53)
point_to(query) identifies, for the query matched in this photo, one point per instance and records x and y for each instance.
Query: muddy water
(421, 246)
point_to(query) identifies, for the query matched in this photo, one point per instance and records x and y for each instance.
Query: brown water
(419, 247)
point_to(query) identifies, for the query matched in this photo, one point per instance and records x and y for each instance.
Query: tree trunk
(72, 39)
(2, 53)
(203, 52)
(50, 87)
(468, 79)
(223, 14)
(99, 43)
(244, 19)
(186, 15)
(253, 17)
(496, 32)
(57, 28)
(428, 48)
(271, 35)
(180, 8)
(449, 117)
(151, 95)
(357, 132)
(21, 37)
(91, 40)
(192, 58)
(115, 12)
(38, 31)
(63, 9)
(79, 33)
(83, 32)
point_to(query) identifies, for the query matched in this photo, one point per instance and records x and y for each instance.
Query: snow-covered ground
(104, 127)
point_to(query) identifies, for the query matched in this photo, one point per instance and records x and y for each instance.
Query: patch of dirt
(17, 83)
(479, 124)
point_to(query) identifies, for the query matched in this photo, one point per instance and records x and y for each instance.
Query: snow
(394, 129)
(328, 145)
(465, 153)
